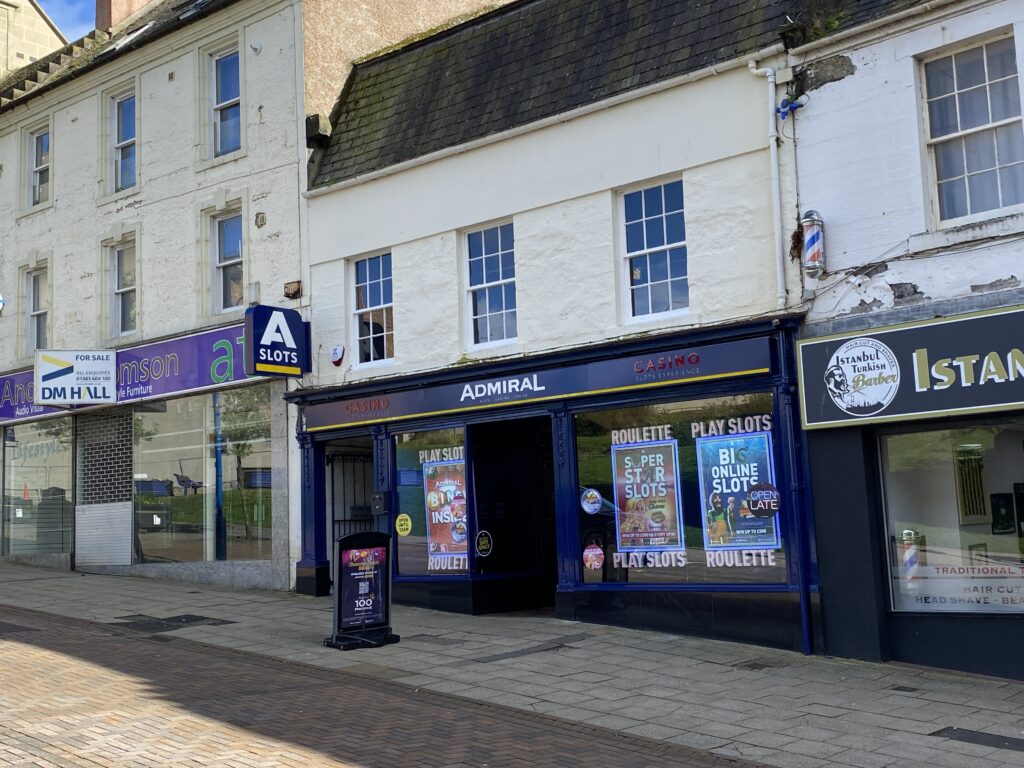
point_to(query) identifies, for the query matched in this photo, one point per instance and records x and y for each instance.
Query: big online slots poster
(444, 489)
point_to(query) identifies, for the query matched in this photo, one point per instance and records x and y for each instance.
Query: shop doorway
(350, 488)
(514, 493)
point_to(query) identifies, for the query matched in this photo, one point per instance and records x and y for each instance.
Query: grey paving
(767, 706)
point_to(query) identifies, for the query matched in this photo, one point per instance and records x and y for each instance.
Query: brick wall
(104, 462)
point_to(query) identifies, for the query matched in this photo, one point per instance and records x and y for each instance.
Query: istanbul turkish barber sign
(962, 364)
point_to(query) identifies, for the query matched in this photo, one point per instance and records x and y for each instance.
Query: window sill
(492, 348)
(659, 318)
(24, 213)
(966, 231)
(206, 164)
(121, 195)
(361, 368)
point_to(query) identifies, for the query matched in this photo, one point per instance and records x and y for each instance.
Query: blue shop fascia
(651, 483)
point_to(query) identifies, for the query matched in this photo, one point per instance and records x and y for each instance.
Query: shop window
(374, 321)
(37, 508)
(954, 501)
(975, 134)
(191, 454)
(432, 503)
(655, 249)
(492, 284)
(681, 492)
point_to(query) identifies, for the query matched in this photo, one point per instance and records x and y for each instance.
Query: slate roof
(539, 58)
(97, 48)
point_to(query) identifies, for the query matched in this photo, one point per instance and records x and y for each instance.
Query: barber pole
(814, 243)
(911, 559)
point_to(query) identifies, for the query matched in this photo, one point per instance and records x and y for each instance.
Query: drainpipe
(773, 154)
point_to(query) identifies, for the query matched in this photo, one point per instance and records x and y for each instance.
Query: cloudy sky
(73, 17)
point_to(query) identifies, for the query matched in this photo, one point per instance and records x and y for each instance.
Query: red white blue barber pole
(911, 559)
(814, 243)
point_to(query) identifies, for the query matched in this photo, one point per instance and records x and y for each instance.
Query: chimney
(110, 13)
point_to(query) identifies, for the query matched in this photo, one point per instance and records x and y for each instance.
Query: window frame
(117, 290)
(33, 312)
(207, 123)
(32, 170)
(928, 143)
(356, 336)
(218, 267)
(464, 258)
(117, 145)
(623, 255)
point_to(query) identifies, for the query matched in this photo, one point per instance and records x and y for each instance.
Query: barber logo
(862, 377)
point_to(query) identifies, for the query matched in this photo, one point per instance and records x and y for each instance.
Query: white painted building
(911, 147)
(151, 192)
(524, 273)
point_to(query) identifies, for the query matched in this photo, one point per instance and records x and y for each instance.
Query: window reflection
(203, 477)
(37, 511)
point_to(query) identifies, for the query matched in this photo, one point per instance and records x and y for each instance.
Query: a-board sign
(362, 592)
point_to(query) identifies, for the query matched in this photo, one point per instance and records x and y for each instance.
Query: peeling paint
(996, 285)
(866, 306)
(906, 292)
(826, 71)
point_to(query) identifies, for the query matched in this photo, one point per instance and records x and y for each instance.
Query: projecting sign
(963, 364)
(75, 377)
(276, 342)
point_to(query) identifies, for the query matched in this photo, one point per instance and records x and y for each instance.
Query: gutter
(562, 117)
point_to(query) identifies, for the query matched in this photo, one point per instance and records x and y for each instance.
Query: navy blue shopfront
(653, 484)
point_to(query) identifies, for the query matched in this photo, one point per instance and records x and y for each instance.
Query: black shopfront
(651, 484)
(916, 446)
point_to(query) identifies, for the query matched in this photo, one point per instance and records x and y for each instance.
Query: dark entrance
(514, 489)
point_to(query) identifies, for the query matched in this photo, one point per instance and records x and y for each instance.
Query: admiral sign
(957, 365)
(276, 342)
(75, 377)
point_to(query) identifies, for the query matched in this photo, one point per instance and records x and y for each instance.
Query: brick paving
(772, 707)
(79, 694)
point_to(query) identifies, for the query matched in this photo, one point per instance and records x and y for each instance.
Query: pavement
(120, 671)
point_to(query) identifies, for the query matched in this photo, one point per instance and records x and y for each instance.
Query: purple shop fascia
(163, 369)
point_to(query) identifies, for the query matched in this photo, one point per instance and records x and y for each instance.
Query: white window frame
(32, 170)
(219, 267)
(118, 145)
(118, 290)
(356, 313)
(470, 288)
(624, 255)
(215, 108)
(928, 143)
(34, 312)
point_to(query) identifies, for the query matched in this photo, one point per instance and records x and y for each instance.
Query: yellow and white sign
(75, 377)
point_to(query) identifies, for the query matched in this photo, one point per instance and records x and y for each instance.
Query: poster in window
(1004, 518)
(444, 489)
(971, 499)
(648, 509)
(740, 502)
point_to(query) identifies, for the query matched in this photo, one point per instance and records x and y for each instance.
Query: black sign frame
(950, 366)
(349, 632)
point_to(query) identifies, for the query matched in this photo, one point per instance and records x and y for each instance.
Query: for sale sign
(75, 377)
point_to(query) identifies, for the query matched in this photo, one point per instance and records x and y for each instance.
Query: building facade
(548, 267)
(911, 147)
(153, 194)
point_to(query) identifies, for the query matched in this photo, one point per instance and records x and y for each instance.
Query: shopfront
(916, 444)
(175, 480)
(650, 484)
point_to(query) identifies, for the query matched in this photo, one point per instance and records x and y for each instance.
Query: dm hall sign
(963, 364)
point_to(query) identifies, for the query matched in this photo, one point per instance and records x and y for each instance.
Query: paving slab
(763, 705)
